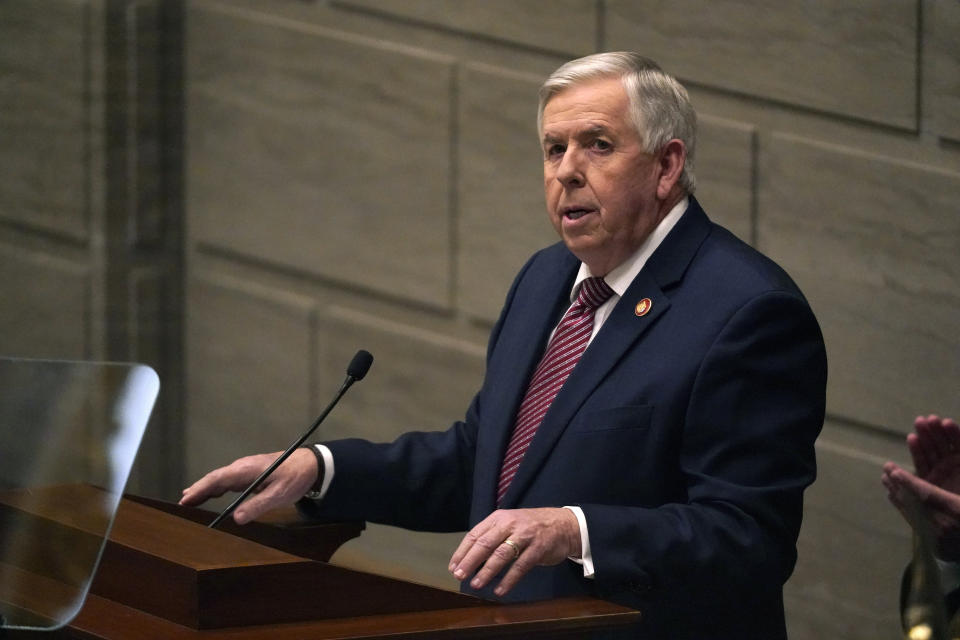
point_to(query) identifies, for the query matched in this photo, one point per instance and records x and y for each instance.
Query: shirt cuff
(586, 558)
(327, 456)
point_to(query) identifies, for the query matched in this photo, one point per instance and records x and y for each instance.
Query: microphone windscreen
(360, 365)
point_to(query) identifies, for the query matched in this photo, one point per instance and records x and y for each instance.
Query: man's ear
(672, 157)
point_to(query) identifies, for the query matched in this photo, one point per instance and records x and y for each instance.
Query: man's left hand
(519, 538)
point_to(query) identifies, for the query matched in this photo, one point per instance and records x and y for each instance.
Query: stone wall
(91, 205)
(365, 174)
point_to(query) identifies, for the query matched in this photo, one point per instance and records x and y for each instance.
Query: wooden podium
(165, 575)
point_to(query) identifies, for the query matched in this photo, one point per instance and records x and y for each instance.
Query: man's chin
(586, 248)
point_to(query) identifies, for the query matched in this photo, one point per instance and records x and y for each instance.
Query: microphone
(356, 371)
(359, 366)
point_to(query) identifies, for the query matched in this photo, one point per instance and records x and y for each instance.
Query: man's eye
(556, 149)
(602, 145)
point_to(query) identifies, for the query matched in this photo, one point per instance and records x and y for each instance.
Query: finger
(284, 487)
(887, 481)
(889, 467)
(475, 547)
(236, 476)
(900, 507)
(920, 449)
(951, 431)
(258, 503)
(894, 498)
(214, 484)
(933, 497)
(464, 547)
(199, 492)
(486, 557)
(893, 489)
(522, 565)
(499, 559)
(938, 436)
(906, 480)
(900, 496)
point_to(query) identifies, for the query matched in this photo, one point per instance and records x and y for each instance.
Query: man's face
(600, 186)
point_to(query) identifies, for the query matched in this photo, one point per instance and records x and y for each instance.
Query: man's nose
(570, 171)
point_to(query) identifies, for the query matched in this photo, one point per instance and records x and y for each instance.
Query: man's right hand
(285, 486)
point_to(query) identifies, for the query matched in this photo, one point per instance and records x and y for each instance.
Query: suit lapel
(537, 306)
(615, 339)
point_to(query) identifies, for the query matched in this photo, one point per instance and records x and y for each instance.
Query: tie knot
(594, 292)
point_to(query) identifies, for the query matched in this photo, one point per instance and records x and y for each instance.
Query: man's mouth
(576, 214)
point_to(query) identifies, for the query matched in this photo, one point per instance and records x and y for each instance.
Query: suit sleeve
(746, 455)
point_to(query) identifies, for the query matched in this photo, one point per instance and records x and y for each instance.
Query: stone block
(46, 306)
(146, 188)
(420, 380)
(147, 293)
(944, 67)
(148, 324)
(503, 217)
(568, 26)
(872, 242)
(250, 371)
(320, 152)
(724, 166)
(46, 126)
(853, 59)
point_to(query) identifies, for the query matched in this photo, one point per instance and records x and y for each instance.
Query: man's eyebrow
(596, 129)
(592, 130)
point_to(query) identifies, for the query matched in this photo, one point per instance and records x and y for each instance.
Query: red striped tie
(564, 350)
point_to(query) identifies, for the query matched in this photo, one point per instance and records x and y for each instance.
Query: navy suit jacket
(686, 435)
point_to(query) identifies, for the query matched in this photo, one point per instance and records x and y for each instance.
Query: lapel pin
(643, 307)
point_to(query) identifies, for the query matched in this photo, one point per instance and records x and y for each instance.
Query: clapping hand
(935, 448)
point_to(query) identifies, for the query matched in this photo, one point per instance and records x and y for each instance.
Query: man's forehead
(600, 88)
(602, 96)
(584, 120)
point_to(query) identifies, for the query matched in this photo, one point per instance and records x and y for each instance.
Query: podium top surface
(141, 527)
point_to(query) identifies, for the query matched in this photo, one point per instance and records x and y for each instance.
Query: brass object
(924, 611)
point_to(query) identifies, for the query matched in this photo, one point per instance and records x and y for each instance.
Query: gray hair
(659, 105)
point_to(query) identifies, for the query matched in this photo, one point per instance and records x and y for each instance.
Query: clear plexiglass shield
(69, 433)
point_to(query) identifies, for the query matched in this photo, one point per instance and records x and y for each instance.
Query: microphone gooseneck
(357, 369)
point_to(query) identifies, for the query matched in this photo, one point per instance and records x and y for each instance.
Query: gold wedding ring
(513, 545)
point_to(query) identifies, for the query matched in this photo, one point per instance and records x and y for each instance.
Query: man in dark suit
(661, 466)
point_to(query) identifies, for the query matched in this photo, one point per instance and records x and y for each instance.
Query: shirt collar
(619, 279)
